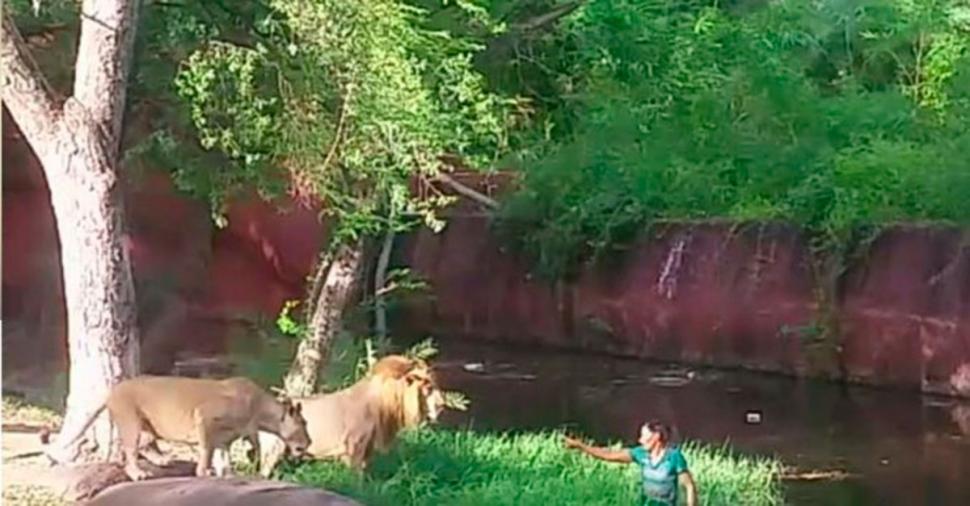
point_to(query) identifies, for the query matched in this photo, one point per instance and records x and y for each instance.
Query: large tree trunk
(77, 144)
(98, 290)
(339, 277)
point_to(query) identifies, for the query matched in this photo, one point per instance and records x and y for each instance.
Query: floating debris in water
(752, 417)
(516, 377)
(792, 474)
(669, 381)
(673, 376)
(474, 367)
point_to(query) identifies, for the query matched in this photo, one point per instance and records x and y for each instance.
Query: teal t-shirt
(660, 478)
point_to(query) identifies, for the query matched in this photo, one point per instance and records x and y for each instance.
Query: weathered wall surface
(196, 285)
(715, 294)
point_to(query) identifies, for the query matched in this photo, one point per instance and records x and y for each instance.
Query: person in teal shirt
(663, 468)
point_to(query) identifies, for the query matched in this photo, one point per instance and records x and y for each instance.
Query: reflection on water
(898, 448)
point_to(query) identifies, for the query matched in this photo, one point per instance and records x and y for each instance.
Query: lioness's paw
(136, 473)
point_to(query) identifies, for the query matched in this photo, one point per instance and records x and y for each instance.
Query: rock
(216, 492)
(77, 483)
(202, 367)
(961, 416)
(81, 482)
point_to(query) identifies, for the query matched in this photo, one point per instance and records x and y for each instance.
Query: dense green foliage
(341, 103)
(467, 468)
(836, 115)
(346, 101)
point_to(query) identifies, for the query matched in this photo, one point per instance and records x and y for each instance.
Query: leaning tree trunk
(77, 144)
(380, 285)
(339, 278)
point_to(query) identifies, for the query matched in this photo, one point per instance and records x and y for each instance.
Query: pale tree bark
(334, 282)
(337, 276)
(485, 200)
(104, 52)
(77, 143)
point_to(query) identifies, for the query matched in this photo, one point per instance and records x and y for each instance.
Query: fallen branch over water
(817, 475)
(467, 191)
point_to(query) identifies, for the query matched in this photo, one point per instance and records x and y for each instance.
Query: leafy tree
(346, 102)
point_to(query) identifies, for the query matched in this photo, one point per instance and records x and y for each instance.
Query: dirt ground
(29, 479)
(26, 481)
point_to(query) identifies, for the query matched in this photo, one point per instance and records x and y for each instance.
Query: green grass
(19, 411)
(466, 468)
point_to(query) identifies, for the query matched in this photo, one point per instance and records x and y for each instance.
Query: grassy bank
(464, 468)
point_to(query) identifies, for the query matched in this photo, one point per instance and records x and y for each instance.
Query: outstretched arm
(622, 456)
(687, 481)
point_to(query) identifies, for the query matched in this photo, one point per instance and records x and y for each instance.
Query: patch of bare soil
(27, 475)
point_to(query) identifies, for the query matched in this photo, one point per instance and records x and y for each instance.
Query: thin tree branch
(380, 282)
(26, 93)
(466, 191)
(44, 30)
(338, 133)
(104, 56)
(546, 18)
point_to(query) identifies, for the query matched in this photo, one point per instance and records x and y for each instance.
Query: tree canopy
(836, 115)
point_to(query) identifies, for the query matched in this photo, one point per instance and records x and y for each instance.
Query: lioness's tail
(51, 447)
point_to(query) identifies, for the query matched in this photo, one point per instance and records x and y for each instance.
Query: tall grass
(446, 467)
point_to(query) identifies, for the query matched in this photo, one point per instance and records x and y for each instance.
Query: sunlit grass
(18, 411)
(466, 468)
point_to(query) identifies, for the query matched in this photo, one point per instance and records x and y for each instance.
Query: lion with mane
(397, 393)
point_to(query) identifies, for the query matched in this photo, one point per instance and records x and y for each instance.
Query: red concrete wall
(196, 285)
(713, 294)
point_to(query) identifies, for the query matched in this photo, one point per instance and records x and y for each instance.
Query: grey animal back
(216, 492)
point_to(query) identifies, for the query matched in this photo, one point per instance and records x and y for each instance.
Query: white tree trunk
(86, 196)
(77, 144)
(104, 52)
(341, 279)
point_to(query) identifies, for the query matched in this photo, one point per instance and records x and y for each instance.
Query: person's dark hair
(660, 428)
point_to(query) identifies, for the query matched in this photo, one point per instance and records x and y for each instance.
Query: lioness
(210, 413)
(351, 423)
